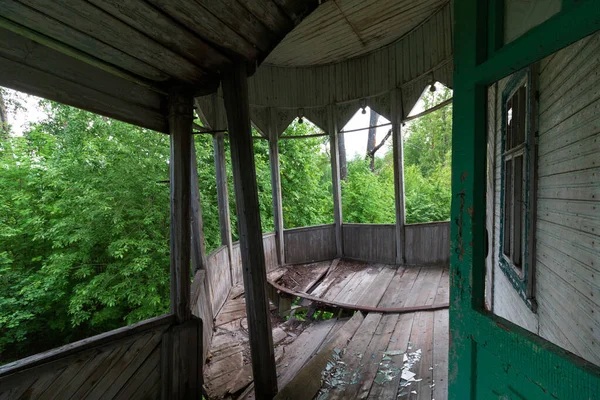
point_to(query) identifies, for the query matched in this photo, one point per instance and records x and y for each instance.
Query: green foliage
(84, 228)
(368, 197)
(305, 178)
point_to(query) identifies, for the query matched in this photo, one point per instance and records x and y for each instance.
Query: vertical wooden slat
(335, 177)
(276, 185)
(198, 245)
(235, 93)
(396, 111)
(180, 129)
(223, 197)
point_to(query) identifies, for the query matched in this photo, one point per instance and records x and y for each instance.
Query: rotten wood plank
(307, 381)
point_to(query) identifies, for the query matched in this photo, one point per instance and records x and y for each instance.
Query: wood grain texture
(102, 26)
(98, 366)
(428, 243)
(309, 244)
(180, 129)
(31, 80)
(367, 242)
(235, 91)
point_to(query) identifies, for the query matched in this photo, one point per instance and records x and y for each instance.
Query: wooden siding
(309, 244)
(427, 243)
(270, 257)
(373, 243)
(219, 277)
(568, 220)
(568, 195)
(411, 63)
(121, 364)
(202, 308)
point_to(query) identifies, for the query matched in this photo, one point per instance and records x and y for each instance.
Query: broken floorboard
(373, 351)
(391, 356)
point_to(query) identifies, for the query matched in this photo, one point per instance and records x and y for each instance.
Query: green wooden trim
(520, 284)
(581, 19)
(495, 26)
(551, 371)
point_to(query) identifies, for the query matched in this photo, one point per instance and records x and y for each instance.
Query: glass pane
(521, 107)
(507, 206)
(518, 211)
(522, 15)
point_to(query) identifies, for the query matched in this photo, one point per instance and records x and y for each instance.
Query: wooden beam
(198, 243)
(223, 197)
(396, 108)
(180, 129)
(37, 82)
(235, 93)
(276, 187)
(335, 177)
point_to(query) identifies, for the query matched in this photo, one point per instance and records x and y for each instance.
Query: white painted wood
(567, 222)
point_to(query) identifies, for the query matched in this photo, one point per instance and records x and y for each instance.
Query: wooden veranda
(262, 63)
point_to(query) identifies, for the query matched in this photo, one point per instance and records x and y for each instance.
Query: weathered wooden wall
(427, 243)
(309, 244)
(121, 364)
(270, 257)
(202, 307)
(567, 246)
(370, 242)
(410, 63)
(219, 277)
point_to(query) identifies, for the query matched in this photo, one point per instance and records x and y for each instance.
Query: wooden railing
(309, 244)
(124, 363)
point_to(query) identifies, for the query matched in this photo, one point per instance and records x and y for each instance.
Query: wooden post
(335, 177)
(180, 130)
(396, 111)
(276, 188)
(223, 196)
(198, 244)
(235, 93)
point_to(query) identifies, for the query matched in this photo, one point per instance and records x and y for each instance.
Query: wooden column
(235, 93)
(276, 187)
(181, 348)
(198, 244)
(223, 196)
(396, 111)
(180, 130)
(335, 177)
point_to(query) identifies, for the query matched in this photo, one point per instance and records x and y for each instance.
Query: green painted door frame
(491, 357)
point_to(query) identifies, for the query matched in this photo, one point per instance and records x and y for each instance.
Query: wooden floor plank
(353, 357)
(425, 288)
(443, 292)
(421, 339)
(353, 291)
(440, 354)
(400, 287)
(375, 353)
(375, 291)
(329, 280)
(339, 284)
(302, 349)
(387, 386)
(308, 380)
